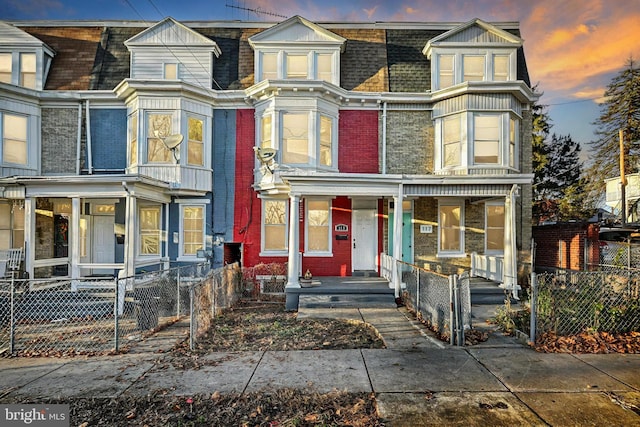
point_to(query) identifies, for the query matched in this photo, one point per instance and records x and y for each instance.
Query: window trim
(312, 55)
(274, 252)
(310, 252)
(458, 72)
(461, 251)
(486, 226)
(182, 256)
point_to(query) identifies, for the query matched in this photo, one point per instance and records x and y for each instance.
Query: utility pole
(623, 180)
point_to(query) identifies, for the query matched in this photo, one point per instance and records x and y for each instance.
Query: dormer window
(171, 71)
(473, 68)
(5, 68)
(28, 70)
(500, 67)
(297, 66)
(269, 66)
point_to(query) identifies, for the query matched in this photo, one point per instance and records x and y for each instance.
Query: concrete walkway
(417, 380)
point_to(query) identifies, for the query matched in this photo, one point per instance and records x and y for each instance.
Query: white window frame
(477, 76)
(312, 60)
(460, 252)
(307, 249)
(181, 253)
(139, 251)
(513, 148)
(22, 72)
(8, 71)
(264, 251)
(458, 72)
(501, 76)
(486, 227)
(499, 139)
(450, 73)
(27, 141)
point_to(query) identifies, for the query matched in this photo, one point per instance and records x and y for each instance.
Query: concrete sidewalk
(417, 380)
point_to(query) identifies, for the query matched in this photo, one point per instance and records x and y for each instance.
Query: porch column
(510, 268)
(294, 242)
(397, 239)
(74, 235)
(130, 237)
(29, 234)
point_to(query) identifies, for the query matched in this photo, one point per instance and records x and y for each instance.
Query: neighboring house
(318, 145)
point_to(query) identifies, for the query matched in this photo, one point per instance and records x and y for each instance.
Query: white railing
(386, 266)
(184, 177)
(488, 266)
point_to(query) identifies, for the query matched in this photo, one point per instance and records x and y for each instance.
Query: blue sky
(573, 47)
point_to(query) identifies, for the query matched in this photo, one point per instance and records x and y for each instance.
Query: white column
(294, 242)
(74, 237)
(510, 267)
(397, 239)
(131, 238)
(30, 234)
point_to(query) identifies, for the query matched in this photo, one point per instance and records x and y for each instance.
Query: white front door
(364, 239)
(103, 242)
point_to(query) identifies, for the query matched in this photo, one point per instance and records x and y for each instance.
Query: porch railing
(488, 266)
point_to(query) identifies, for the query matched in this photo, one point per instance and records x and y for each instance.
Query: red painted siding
(358, 141)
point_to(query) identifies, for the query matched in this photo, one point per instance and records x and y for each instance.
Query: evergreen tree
(620, 110)
(541, 130)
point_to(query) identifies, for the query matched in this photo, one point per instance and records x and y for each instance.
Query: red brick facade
(563, 245)
(358, 146)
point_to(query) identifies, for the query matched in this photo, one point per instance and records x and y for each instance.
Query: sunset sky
(573, 47)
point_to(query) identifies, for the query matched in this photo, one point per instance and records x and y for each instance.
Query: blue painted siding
(109, 139)
(224, 172)
(174, 226)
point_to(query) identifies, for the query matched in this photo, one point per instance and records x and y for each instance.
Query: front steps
(486, 292)
(347, 301)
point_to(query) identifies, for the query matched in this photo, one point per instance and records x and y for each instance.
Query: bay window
(326, 152)
(451, 144)
(494, 227)
(192, 230)
(486, 144)
(512, 142)
(195, 142)
(14, 139)
(133, 139)
(274, 225)
(318, 226)
(295, 138)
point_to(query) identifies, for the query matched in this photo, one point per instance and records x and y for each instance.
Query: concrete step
(486, 292)
(347, 301)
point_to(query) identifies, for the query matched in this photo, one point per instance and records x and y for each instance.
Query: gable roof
(15, 37)
(297, 30)
(476, 31)
(170, 32)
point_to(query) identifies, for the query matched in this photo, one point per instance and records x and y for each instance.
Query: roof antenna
(258, 11)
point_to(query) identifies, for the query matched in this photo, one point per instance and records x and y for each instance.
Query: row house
(129, 146)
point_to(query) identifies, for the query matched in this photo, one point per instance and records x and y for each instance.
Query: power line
(577, 101)
(257, 11)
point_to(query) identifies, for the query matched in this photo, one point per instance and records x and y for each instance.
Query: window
(296, 66)
(451, 141)
(5, 67)
(5, 226)
(265, 141)
(473, 67)
(158, 127)
(28, 70)
(14, 139)
(150, 230)
(295, 138)
(171, 71)
(318, 226)
(274, 225)
(451, 229)
(325, 67)
(325, 140)
(445, 70)
(512, 143)
(133, 139)
(269, 66)
(486, 144)
(195, 143)
(494, 227)
(501, 67)
(192, 230)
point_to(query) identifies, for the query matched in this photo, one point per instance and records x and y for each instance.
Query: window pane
(296, 66)
(195, 146)
(473, 68)
(295, 138)
(158, 126)
(192, 229)
(487, 139)
(451, 136)
(150, 231)
(14, 139)
(512, 143)
(133, 138)
(275, 225)
(495, 227)
(5, 67)
(325, 141)
(446, 71)
(266, 132)
(28, 70)
(324, 67)
(500, 67)
(450, 228)
(170, 71)
(269, 66)
(318, 225)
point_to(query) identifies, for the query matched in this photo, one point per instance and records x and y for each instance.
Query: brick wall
(358, 141)
(410, 141)
(59, 140)
(562, 245)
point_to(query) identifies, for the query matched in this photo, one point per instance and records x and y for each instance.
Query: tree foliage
(620, 110)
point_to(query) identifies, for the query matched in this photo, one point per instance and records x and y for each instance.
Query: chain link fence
(442, 302)
(612, 256)
(220, 290)
(56, 317)
(570, 302)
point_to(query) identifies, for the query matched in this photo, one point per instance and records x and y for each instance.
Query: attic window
(296, 66)
(171, 71)
(5, 68)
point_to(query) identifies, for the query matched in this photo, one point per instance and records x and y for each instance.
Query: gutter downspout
(88, 126)
(79, 139)
(384, 138)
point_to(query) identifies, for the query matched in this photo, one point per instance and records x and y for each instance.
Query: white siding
(194, 65)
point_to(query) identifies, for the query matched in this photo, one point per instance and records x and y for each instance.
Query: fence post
(533, 303)
(452, 338)
(116, 311)
(458, 308)
(192, 319)
(417, 289)
(12, 314)
(178, 294)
